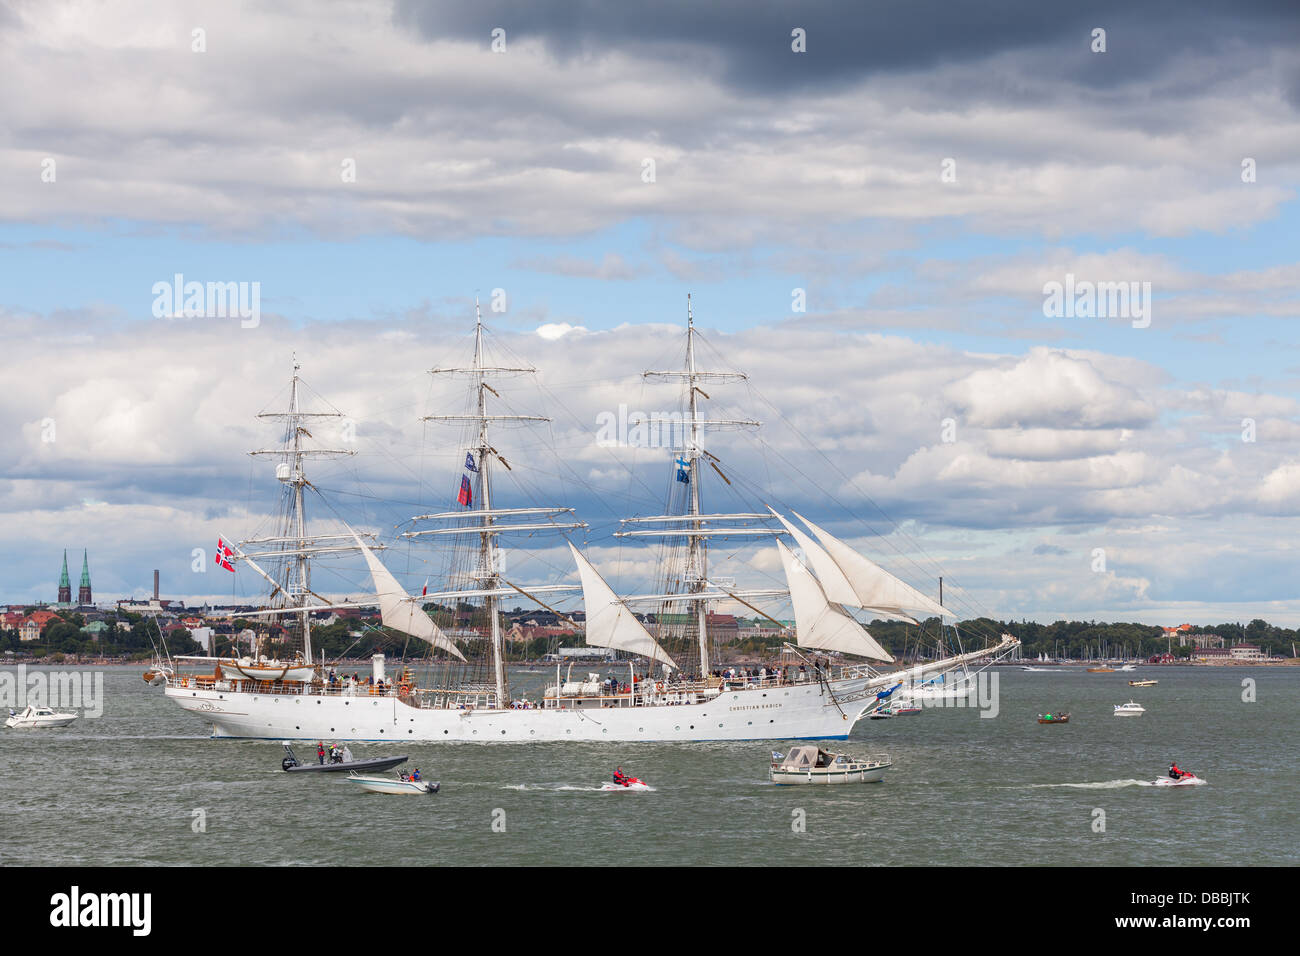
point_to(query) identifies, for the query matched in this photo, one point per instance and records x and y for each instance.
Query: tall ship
(830, 675)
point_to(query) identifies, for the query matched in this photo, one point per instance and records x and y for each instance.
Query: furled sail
(819, 623)
(609, 622)
(875, 587)
(399, 612)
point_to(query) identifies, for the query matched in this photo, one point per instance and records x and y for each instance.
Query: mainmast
(488, 573)
(697, 557)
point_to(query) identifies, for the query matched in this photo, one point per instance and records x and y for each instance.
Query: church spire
(83, 592)
(65, 584)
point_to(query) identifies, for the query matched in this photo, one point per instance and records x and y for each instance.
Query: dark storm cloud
(850, 41)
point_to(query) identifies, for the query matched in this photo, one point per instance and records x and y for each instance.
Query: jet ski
(629, 783)
(1186, 780)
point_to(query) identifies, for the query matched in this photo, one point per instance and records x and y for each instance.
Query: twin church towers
(65, 583)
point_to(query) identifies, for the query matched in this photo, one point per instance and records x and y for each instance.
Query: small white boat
(1126, 667)
(392, 784)
(33, 718)
(1131, 709)
(809, 764)
(1143, 683)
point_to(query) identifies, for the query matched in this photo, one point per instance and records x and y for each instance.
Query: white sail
(833, 581)
(399, 612)
(819, 623)
(609, 622)
(875, 587)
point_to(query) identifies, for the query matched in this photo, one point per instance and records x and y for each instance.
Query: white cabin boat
(33, 717)
(392, 784)
(1131, 709)
(809, 764)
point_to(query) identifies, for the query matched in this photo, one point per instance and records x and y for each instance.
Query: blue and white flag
(777, 756)
(683, 470)
(469, 462)
(885, 693)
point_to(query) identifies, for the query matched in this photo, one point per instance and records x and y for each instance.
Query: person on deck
(320, 751)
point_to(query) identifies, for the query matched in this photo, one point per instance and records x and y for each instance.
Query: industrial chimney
(155, 584)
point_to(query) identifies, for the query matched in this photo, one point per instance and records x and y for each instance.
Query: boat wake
(561, 787)
(1100, 785)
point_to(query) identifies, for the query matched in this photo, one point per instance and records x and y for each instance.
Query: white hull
(38, 718)
(796, 711)
(39, 723)
(387, 785)
(813, 777)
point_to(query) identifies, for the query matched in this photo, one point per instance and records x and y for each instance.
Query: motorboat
(1057, 718)
(1126, 667)
(33, 717)
(1131, 709)
(392, 784)
(1143, 683)
(629, 783)
(905, 708)
(1186, 780)
(810, 764)
(292, 764)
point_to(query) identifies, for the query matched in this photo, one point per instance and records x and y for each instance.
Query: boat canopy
(805, 758)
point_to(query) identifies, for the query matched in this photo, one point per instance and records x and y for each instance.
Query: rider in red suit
(1175, 772)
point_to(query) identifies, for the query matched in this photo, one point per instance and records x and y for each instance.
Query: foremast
(699, 525)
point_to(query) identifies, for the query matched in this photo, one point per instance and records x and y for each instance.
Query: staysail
(875, 587)
(820, 624)
(837, 586)
(400, 612)
(609, 622)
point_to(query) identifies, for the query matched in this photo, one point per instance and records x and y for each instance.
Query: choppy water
(123, 789)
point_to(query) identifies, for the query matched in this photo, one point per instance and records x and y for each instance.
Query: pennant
(469, 462)
(222, 557)
(466, 496)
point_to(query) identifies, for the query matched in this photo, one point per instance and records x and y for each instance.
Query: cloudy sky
(866, 226)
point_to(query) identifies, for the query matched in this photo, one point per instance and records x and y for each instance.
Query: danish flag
(222, 557)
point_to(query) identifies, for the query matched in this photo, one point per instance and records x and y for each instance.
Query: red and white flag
(426, 588)
(223, 554)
